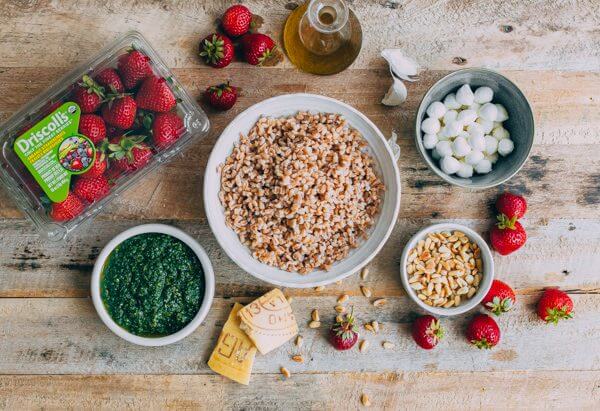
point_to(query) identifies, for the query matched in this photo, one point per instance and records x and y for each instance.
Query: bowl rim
(457, 181)
(282, 283)
(488, 271)
(209, 284)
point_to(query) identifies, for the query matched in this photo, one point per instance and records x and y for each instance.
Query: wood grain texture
(563, 253)
(65, 336)
(401, 390)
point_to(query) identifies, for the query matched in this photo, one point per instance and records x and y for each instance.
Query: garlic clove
(396, 94)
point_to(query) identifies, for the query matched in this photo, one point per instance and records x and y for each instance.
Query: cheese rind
(233, 356)
(269, 321)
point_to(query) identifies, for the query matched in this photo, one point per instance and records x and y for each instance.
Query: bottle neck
(327, 16)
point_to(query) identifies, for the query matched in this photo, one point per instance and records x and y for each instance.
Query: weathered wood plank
(506, 34)
(558, 252)
(576, 122)
(430, 390)
(65, 336)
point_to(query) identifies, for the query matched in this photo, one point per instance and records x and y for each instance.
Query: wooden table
(55, 352)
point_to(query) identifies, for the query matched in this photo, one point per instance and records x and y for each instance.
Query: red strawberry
(427, 331)
(555, 305)
(236, 20)
(110, 80)
(88, 94)
(216, 50)
(166, 129)
(76, 165)
(483, 332)
(155, 95)
(130, 153)
(98, 168)
(133, 68)
(257, 48)
(343, 334)
(120, 111)
(500, 299)
(221, 97)
(68, 209)
(511, 205)
(93, 127)
(508, 235)
(91, 189)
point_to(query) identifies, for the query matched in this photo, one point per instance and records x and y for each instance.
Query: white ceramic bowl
(484, 286)
(209, 285)
(282, 106)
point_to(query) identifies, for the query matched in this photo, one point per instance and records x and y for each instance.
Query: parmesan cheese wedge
(269, 321)
(233, 356)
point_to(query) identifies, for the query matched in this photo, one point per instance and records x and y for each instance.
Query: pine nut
(342, 299)
(366, 291)
(285, 372)
(315, 315)
(314, 324)
(364, 273)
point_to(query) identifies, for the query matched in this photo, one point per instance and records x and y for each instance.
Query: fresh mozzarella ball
(436, 109)
(450, 102)
(450, 165)
(477, 142)
(460, 147)
(483, 95)
(484, 166)
(444, 148)
(496, 124)
(442, 135)
(450, 116)
(465, 170)
(500, 133)
(486, 125)
(430, 125)
(464, 95)
(467, 117)
(435, 154)
(453, 128)
(493, 158)
(488, 112)
(475, 106)
(475, 130)
(464, 134)
(429, 141)
(505, 147)
(474, 157)
(491, 145)
(501, 113)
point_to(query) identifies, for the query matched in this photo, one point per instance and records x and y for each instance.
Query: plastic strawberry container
(57, 163)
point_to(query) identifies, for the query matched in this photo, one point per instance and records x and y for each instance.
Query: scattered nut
(315, 315)
(285, 372)
(369, 327)
(339, 318)
(299, 341)
(297, 358)
(340, 308)
(364, 399)
(314, 324)
(364, 344)
(343, 299)
(365, 290)
(364, 273)
(388, 345)
(375, 326)
(380, 302)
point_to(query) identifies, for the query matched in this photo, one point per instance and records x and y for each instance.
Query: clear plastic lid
(94, 133)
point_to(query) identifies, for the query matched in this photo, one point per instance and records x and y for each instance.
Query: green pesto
(152, 284)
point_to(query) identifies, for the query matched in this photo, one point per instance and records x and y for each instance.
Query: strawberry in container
(94, 133)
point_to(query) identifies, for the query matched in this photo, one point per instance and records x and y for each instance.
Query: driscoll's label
(53, 151)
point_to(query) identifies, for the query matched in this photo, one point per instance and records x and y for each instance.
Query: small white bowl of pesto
(152, 285)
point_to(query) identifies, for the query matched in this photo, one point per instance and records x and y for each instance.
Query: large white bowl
(209, 285)
(283, 106)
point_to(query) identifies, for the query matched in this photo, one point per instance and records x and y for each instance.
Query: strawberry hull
(82, 142)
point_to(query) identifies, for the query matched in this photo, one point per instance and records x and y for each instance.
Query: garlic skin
(430, 125)
(464, 95)
(437, 109)
(484, 95)
(401, 68)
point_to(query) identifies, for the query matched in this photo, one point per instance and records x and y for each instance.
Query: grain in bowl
(300, 191)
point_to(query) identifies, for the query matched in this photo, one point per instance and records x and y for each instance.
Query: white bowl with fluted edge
(209, 284)
(385, 163)
(484, 285)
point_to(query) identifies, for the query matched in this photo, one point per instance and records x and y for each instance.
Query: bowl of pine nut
(446, 269)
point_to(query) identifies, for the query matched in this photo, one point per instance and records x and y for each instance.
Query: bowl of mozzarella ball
(475, 128)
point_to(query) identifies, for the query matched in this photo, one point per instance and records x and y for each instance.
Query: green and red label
(53, 151)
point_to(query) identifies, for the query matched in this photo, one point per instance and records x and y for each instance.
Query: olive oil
(322, 36)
